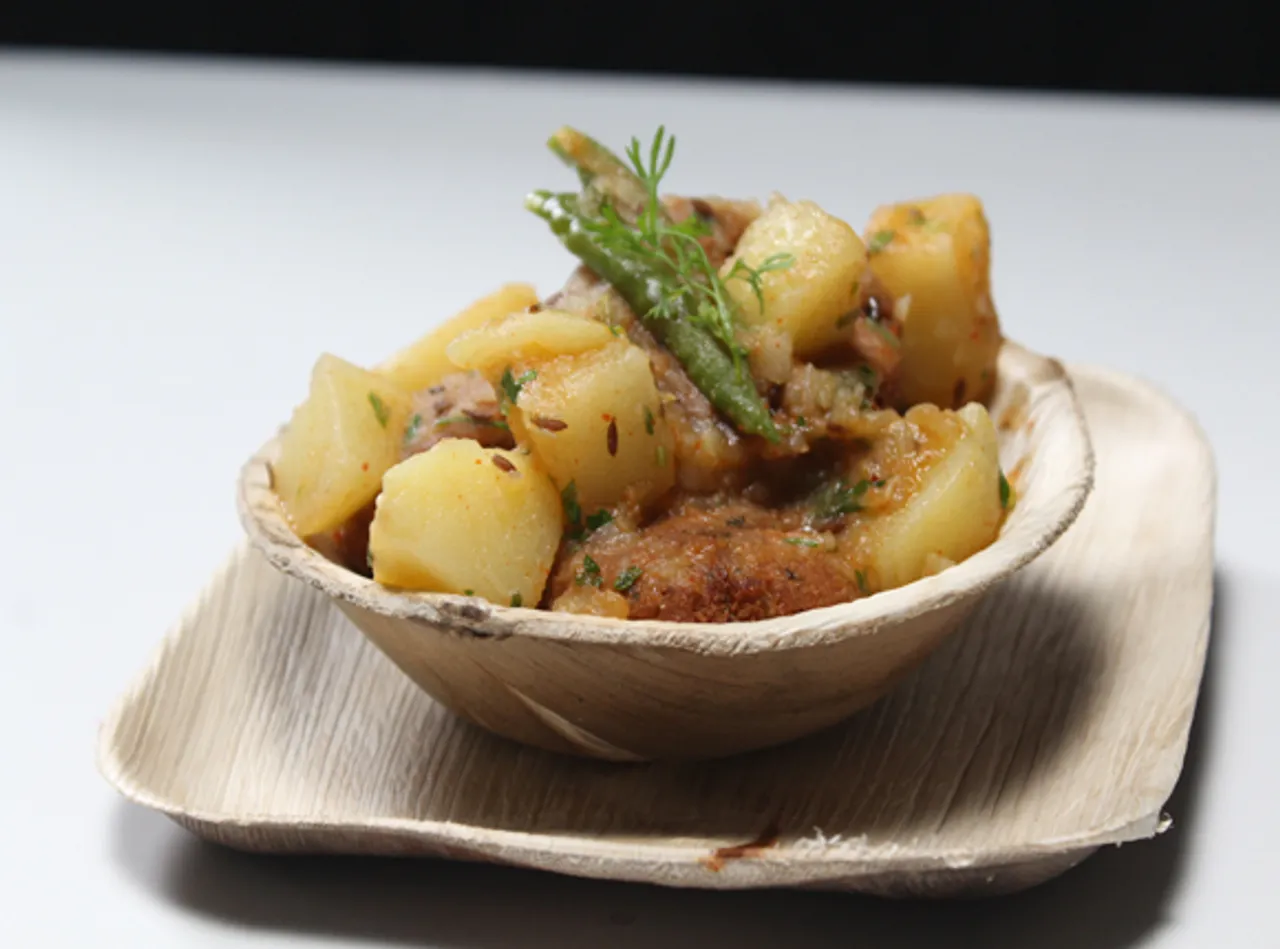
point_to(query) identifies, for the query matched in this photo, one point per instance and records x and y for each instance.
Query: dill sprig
(695, 290)
(618, 227)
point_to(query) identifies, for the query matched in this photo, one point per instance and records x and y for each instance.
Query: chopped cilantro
(511, 386)
(411, 430)
(468, 592)
(837, 498)
(380, 410)
(517, 599)
(1006, 492)
(598, 519)
(862, 582)
(803, 542)
(883, 331)
(589, 575)
(879, 241)
(572, 509)
(648, 420)
(627, 579)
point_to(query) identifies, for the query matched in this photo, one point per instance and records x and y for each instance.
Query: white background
(179, 241)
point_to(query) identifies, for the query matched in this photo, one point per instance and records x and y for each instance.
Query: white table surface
(178, 240)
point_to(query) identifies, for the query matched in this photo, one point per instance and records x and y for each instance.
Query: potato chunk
(464, 519)
(954, 512)
(425, 363)
(595, 419)
(338, 444)
(524, 338)
(934, 257)
(807, 299)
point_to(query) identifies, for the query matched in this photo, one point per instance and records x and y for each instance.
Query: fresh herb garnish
(511, 386)
(517, 599)
(862, 582)
(619, 227)
(879, 241)
(572, 509)
(589, 575)
(743, 271)
(884, 333)
(411, 430)
(837, 498)
(803, 542)
(380, 410)
(1006, 492)
(468, 592)
(578, 528)
(694, 289)
(627, 579)
(648, 420)
(677, 249)
(867, 376)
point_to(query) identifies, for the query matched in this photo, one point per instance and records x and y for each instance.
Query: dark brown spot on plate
(754, 848)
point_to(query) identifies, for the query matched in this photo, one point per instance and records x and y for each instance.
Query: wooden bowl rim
(1046, 378)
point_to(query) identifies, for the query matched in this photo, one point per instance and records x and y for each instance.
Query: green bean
(709, 367)
(601, 172)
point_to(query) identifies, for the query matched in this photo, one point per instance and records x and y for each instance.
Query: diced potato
(937, 253)
(459, 518)
(595, 419)
(589, 601)
(338, 444)
(424, 363)
(954, 513)
(524, 338)
(807, 299)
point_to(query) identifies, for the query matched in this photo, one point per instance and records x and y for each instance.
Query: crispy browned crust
(712, 564)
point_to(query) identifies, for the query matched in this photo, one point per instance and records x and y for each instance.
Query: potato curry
(731, 411)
